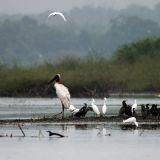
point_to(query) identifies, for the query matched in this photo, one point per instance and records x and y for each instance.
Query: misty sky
(38, 6)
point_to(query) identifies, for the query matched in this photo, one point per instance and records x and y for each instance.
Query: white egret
(94, 107)
(104, 107)
(131, 120)
(73, 109)
(58, 13)
(62, 92)
(134, 106)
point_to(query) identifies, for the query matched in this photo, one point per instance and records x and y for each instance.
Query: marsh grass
(83, 76)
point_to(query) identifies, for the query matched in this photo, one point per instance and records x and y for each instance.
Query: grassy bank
(94, 76)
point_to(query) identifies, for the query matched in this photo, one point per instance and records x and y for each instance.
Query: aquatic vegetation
(93, 75)
(84, 77)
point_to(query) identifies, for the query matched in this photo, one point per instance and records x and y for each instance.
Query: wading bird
(131, 120)
(57, 13)
(94, 107)
(104, 107)
(62, 92)
(134, 106)
(72, 108)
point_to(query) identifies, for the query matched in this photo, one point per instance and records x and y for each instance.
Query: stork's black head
(56, 78)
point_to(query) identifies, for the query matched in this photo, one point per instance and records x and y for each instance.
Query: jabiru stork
(62, 92)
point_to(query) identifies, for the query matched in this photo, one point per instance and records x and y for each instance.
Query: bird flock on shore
(128, 112)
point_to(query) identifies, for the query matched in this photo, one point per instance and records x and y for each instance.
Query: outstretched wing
(57, 13)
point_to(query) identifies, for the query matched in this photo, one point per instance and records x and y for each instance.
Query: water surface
(20, 108)
(81, 142)
(103, 141)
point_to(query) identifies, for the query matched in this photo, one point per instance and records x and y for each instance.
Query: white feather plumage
(63, 94)
(57, 13)
(131, 120)
(104, 107)
(94, 107)
(134, 106)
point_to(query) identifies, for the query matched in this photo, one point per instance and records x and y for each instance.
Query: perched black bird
(57, 134)
(83, 111)
(125, 109)
(154, 110)
(148, 110)
(143, 111)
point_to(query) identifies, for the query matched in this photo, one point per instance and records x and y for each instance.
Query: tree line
(133, 68)
(31, 39)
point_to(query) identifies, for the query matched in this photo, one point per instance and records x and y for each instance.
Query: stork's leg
(62, 111)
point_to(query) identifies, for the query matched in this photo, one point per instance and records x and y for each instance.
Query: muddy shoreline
(86, 120)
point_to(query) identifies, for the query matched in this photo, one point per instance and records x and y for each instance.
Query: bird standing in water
(134, 106)
(104, 107)
(62, 92)
(131, 120)
(94, 107)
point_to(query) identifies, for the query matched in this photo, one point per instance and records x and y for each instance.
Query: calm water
(81, 141)
(11, 108)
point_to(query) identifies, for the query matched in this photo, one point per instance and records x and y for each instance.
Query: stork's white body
(63, 94)
(104, 107)
(94, 107)
(58, 13)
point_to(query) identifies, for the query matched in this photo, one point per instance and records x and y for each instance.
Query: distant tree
(127, 29)
(149, 47)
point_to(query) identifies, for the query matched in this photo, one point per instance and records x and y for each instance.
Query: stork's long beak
(53, 79)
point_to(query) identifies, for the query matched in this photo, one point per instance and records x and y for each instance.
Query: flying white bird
(131, 120)
(134, 106)
(94, 107)
(104, 107)
(58, 13)
(62, 92)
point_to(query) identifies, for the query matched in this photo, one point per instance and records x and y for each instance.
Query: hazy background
(93, 28)
(116, 42)
(37, 6)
